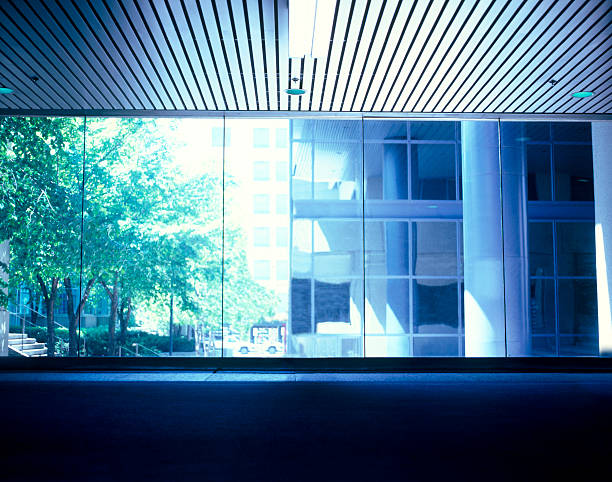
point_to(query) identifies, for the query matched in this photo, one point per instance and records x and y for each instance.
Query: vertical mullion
(556, 288)
(222, 234)
(363, 235)
(313, 324)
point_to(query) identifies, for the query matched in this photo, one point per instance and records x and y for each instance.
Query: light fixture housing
(310, 24)
(582, 94)
(295, 91)
(6, 90)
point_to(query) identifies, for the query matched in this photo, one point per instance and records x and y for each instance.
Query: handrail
(121, 348)
(137, 345)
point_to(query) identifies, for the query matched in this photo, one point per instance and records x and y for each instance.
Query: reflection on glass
(541, 249)
(387, 248)
(576, 249)
(573, 173)
(436, 346)
(385, 130)
(387, 306)
(338, 247)
(542, 306)
(578, 307)
(543, 346)
(435, 249)
(578, 346)
(336, 174)
(433, 171)
(435, 306)
(539, 184)
(301, 171)
(433, 131)
(571, 131)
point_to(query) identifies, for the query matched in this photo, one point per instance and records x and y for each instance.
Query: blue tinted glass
(435, 306)
(573, 173)
(436, 346)
(539, 184)
(389, 302)
(433, 171)
(542, 306)
(432, 131)
(435, 248)
(541, 249)
(578, 307)
(261, 137)
(576, 249)
(385, 130)
(571, 131)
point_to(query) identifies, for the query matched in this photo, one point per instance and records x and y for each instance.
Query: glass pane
(541, 249)
(256, 296)
(543, 346)
(387, 248)
(386, 171)
(537, 131)
(571, 131)
(337, 171)
(387, 306)
(385, 130)
(576, 249)
(539, 184)
(41, 172)
(573, 173)
(433, 171)
(436, 307)
(388, 346)
(338, 248)
(302, 247)
(578, 307)
(152, 236)
(435, 248)
(432, 131)
(578, 346)
(301, 171)
(542, 306)
(436, 346)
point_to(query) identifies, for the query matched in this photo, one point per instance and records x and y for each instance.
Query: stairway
(21, 345)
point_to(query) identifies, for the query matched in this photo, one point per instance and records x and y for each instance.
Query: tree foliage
(148, 232)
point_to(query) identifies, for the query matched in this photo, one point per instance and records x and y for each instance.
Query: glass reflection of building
(382, 274)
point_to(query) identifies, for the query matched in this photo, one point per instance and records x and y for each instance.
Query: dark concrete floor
(288, 426)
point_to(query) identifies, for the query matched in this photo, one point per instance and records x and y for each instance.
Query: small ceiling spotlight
(553, 82)
(295, 90)
(6, 90)
(582, 95)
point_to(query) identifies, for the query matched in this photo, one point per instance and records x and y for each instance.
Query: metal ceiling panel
(396, 57)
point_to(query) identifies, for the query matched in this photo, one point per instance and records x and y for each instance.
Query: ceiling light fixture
(310, 24)
(582, 95)
(295, 90)
(6, 90)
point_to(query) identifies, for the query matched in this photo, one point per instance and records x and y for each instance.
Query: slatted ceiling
(425, 56)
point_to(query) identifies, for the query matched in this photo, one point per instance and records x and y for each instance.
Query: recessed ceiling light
(582, 95)
(6, 90)
(295, 91)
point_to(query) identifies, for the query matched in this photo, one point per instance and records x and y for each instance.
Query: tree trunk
(124, 318)
(74, 318)
(49, 298)
(112, 321)
(33, 307)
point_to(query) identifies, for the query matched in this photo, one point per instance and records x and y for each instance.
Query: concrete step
(21, 341)
(31, 346)
(38, 352)
(15, 336)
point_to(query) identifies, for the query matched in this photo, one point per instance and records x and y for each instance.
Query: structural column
(602, 171)
(495, 291)
(4, 315)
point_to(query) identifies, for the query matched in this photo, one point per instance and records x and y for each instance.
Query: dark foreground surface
(288, 426)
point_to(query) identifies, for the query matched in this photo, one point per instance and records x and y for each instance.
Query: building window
(282, 237)
(282, 204)
(261, 137)
(261, 171)
(261, 237)
(282, 171)
(282, 138)
(261, 270)
(282, 270)
(261, 204)
(217, 136)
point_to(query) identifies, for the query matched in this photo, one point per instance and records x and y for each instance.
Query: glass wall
(297, 237)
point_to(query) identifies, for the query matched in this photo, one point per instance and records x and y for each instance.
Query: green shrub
(96, 342)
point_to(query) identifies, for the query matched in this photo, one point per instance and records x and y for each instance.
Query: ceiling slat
(384, 56)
